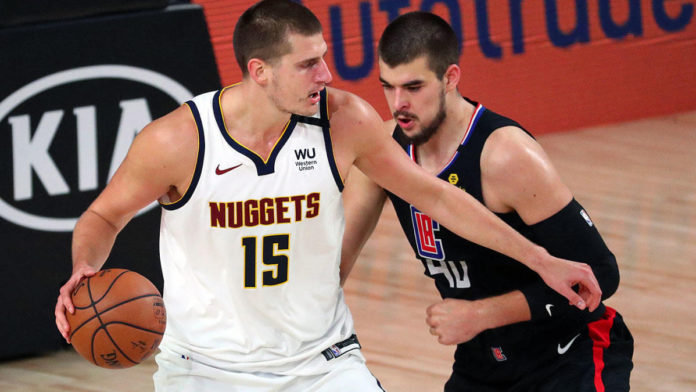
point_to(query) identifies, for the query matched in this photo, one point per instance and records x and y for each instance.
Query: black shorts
(600, 360)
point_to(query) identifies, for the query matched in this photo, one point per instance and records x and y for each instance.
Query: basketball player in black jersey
(512, 332)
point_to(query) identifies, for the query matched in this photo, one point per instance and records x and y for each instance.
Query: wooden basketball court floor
(637, 180)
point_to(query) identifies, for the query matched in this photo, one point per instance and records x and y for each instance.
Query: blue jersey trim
(262, 167)
(472, 128)
(323, 122)
(324, 114)
(199, 161)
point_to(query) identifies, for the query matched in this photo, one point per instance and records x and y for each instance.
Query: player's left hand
(563, 275)
(454, 321)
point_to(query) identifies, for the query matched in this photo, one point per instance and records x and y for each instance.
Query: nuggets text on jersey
(266, 211)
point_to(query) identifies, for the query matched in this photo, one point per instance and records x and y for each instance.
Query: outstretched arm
(381, 159)
(466, 217)
(517, 175)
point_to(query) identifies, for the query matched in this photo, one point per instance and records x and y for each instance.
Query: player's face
(300, 75)
(416, 98)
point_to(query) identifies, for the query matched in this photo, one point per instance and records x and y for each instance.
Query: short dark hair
(418, 33)
(261, 32)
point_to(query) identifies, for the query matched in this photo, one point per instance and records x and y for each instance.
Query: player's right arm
(160, 161)
(354, 125)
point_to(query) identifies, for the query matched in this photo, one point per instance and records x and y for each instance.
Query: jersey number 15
(278, 271)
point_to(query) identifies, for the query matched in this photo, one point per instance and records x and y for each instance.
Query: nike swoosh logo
(220, 172)
(564, 349)
(548, 309)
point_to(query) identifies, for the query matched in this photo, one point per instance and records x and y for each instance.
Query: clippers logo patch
(498, 354)
(424, 229)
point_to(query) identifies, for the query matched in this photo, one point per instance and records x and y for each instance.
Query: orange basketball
(119, 318)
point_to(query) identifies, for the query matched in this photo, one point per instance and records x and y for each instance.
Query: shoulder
(172, 132)
(346, 106)
(509, 148)
(517, 174)
(161, 156)
(356, 129)
(512, 161)
(168, 147)
(353, 120)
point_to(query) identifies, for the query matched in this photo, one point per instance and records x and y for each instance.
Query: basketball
(119, 318)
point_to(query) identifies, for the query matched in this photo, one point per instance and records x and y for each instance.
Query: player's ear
(451, 77)
(258, 70)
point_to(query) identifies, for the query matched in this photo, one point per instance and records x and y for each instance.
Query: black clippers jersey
(460, 268)
(464, 270)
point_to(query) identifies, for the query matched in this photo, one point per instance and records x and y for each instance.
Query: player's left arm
(356, 128)
(518, 175)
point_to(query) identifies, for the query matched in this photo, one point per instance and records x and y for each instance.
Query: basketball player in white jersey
(250, 181)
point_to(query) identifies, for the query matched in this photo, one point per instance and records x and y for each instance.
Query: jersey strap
(411, 148)
(478, 112)
(323, 122)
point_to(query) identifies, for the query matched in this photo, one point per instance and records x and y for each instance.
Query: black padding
(17, 12)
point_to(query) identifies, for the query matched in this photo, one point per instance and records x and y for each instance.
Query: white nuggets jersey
(250, 254)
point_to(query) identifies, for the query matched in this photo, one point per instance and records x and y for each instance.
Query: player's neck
(252, 119)
(437, 151)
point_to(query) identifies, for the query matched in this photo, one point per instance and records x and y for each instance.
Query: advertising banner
(73, 96)
(552, 65)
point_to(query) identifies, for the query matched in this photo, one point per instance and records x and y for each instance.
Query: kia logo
(32, 138)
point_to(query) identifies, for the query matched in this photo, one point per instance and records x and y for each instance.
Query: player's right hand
(65, 302)
(563, 275)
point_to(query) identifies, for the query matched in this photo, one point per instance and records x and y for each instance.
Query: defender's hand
(454, 321)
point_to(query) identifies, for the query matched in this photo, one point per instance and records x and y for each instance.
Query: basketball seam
(134, 326)
(101, 323)
(112, 342)
(111, 285)
(96, 315)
